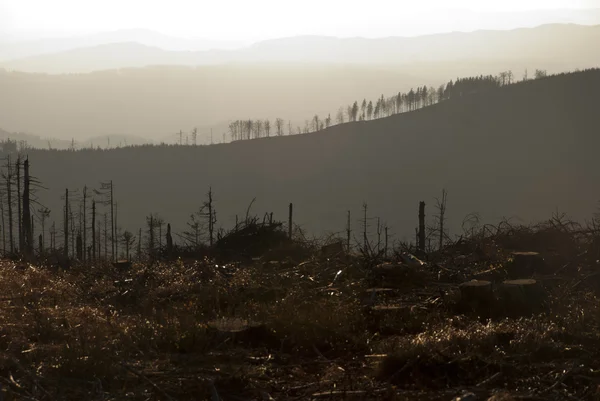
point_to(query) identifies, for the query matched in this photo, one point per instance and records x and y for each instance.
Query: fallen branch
(142, 376)
(489, 379)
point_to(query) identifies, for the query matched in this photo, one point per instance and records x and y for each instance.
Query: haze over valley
(133, 86)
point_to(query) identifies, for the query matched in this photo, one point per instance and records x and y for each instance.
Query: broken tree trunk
(521, 297)
(476, 295)
(524, 265)
(421, 232)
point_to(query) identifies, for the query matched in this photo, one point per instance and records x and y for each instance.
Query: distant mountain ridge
(103, 142)
(461, 20)
(22, 49)
(546, 43)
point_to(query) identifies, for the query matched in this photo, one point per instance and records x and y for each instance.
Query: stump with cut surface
(524, 265)
(476, 296)
(521, 297)
(374, 296)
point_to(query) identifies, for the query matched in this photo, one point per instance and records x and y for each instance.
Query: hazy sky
(260, 19)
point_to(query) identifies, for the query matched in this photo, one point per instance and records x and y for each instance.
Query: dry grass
(186, 330)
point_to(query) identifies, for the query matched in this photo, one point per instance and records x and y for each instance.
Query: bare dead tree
(379, 228)
(105, 236)
(3, 225)
(212, 219)
(139, 250)
(19, 211)
(116, 234)
(151, 235)
(385, 253)
(53, 237)
(421, 231)
(66, 225)
(94, 230)
(365, 226)
(43, 213)
(128, 240)
(290, 220)
(8, 176)
(107, 193)
(169, 241)
(348, 233)
(27, 218)
(279, 126)
(441, 207)
(85, 221)
(160, 223)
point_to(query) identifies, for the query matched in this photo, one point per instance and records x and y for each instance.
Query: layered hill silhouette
(522, 150)
(264, 81)
(156, 102)
(543, 44)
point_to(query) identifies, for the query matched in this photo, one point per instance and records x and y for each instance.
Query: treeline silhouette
(402, 102)
(414, 99)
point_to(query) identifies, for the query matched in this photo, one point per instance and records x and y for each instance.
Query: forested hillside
(518, 150)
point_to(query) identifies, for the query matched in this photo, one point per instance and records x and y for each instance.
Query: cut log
(525, 265)
(122, 264)
(374, 296)
(394, 275)
(521, 297)
(241, 331)
(476, 295)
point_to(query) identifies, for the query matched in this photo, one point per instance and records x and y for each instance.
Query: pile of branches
(253, 239)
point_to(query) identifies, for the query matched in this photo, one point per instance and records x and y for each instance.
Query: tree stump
(476, 296)
(521, 297)
(524, 265)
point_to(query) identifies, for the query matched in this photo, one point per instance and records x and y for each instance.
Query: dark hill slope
(522, 150)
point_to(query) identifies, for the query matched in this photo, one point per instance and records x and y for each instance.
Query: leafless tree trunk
(139, 250)
(421, 236)
(3, 225)
(105, 236)
(348, 233)
(116, 234)
(290, 220)
(27, 221)
(211, 219)
(441, 206)
(8, 178)
(112, 220)
(19, 212)
(150, 221)
(169, 241)
(85, 223)
(365, 239)
(94, 230)
(66, 225)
